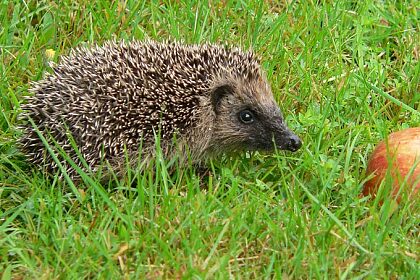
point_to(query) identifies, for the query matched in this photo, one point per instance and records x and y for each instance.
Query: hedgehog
(106, 103)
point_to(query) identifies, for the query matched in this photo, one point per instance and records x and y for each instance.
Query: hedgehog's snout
(292, 142)
(285, 139)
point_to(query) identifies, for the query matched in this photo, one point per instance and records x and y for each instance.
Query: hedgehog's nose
(293, 142)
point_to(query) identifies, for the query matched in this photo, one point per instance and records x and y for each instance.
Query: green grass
(345, 73)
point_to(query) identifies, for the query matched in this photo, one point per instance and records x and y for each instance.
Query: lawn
(345, 73)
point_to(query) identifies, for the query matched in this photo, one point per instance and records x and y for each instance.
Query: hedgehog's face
(248, 118)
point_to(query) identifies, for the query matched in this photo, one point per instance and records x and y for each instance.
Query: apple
(399, 155)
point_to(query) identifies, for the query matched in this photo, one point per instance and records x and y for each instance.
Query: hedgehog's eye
(246, 117)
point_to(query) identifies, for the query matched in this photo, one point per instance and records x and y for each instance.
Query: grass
(346, 74)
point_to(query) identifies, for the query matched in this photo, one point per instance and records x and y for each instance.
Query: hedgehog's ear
(218, 94)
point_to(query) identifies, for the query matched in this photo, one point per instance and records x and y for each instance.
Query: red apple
(398, 156)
